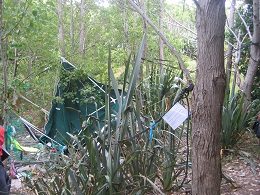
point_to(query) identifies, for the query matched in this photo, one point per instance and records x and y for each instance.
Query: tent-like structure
(68, 115)
(68, 112)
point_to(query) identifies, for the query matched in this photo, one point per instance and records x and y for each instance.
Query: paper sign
(176, 115)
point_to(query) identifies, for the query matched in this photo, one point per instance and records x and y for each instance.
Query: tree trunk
(161, 45)
(126, 31)
(61, 30)
(208, 96)
(141, 72)
(230, 47)
(254, 52)
(72, 28)
(4, 69)
(82, 29)
(145, 28)
(30, 62)
(15, 63)
(145, 31)
(236, 60)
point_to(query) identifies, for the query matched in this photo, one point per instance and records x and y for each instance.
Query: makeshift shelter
(68, 113)
(67, 116)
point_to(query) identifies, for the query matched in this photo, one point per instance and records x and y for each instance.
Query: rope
(42, 109)
(36, 129)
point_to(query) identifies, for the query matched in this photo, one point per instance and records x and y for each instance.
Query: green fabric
(12, 143)
(13, 122)
(9, 140)
(68, 116)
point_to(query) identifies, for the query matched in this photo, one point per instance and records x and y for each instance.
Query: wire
(160, 63)
(187, 144)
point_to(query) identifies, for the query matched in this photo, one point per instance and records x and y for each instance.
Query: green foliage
(75, 88)
(114, 160)
(31, 52)
(246, 12)
(30, 30)
(239, 27)
(236, 117)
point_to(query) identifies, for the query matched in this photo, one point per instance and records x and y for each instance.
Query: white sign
(176, 115)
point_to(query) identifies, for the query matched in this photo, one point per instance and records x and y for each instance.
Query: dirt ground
(241, 167)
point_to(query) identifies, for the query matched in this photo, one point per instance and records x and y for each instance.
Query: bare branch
(244, 38)
(247, 27)
(172, 49)
(229, 43)
(179, 23)
(196, 3)
(233, 33)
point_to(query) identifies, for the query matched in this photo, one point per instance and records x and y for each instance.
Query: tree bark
(4, 69)
(61, 30)
(82, 28)
(141, 72)
(72, 28)
(145, 31)
(230, 47)
(161, 44)
(208, 97)
(254, 52)
(15, 63)
(126, 31)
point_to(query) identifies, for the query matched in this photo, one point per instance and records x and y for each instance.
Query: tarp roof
(67, 116)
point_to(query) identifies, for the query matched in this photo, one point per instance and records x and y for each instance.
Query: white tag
(176, 115)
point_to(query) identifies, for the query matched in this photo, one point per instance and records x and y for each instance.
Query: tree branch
(233, 33)
(247, 27)
(196, 3)
(186, 28)
(172, 49)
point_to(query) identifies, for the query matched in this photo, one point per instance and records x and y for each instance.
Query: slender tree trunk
(15, 63)
(230, 47)
(145, 27)
(82, 29)
(237, 59)
(141, 72)
(254, 52)
(208, 96)
(145, 31)
(72, 28)
(61, 30)
(126, 31)
(30, 62)
(161, 44)
(4, 69)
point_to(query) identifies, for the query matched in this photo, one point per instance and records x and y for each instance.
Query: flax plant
(236, 117)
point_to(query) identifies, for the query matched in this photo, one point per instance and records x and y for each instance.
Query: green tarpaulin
(68, 115)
